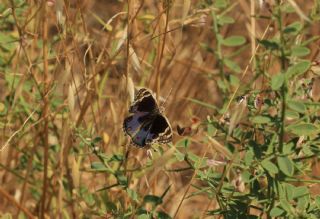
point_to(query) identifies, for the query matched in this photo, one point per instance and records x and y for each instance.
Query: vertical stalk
(158, 76)
(253, 33)
(283, 68)
(218, 46)
(45, 106)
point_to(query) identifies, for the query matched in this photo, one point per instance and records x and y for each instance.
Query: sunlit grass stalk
(161, 46)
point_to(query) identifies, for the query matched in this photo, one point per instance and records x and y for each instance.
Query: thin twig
(13, 201)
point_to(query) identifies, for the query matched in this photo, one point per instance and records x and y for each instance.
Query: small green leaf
(306, 129)
(277, 81)
(220, 3)
(180, 156)
(163, 215)
(234, 81)
(234, 41)
(286, 165)
(96, 140)
(132, 194)
(285, 205)
(300, 51)
(297, 106)
(222, 20)
(144, 216)
(298, 69)
(98, 166)
(268, 44)
(269, 166)
(152, 199)
(261, 119)
(290, 114)
(300, 192)
(249, 156)
(6, 216)
(276, 212)
(232, 65)
(317, 201)
(2, 107)
(293, 28)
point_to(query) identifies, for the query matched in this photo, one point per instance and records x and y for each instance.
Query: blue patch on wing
(137, 126)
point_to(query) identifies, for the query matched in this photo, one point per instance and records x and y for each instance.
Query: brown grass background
(94, 81)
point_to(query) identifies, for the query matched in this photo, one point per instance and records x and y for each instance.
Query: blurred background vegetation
(240, 81)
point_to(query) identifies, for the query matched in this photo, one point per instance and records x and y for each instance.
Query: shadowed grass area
(239, 82)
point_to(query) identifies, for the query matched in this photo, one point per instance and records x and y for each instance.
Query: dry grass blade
(134, 60)
(70, 69)
(299, 11)
(220, 148)
(17, 132)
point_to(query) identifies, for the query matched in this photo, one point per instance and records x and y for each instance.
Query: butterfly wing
(137, 126)
(160, 131)
(144, 101)
(146, 125)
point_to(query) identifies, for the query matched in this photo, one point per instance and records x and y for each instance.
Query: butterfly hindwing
(137, 126)
(133, 123)
(160, 131)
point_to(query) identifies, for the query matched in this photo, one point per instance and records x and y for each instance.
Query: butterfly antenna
(165, 100)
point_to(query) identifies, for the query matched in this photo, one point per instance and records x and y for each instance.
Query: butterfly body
(146, 125)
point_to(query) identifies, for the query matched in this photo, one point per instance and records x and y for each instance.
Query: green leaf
(132, 194)
(297, 106)
(290, 114)
(300, 51)
(98, 166)
(234, 81)
(220, 3)
(222, 20)
(232, 65)
(268, 44)
(152, 199)
(285, 205)
(293, 28)
(277, 81)
(289, 148)
(276, 212)
(317, 201)
(298, 69)
(249, 156)
(6, 216)
(269, 166)
(261, 119)
(305, 129)
(286, 165)
(300, 192)
(163, 215)
(144, 216)
(180, 156)
(234, 41)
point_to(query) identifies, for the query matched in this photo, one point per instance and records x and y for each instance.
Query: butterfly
(146, 125)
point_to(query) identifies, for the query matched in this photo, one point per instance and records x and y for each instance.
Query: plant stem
(283, 69)
(45, 108)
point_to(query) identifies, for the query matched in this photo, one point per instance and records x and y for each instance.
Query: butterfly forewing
(144, 102)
